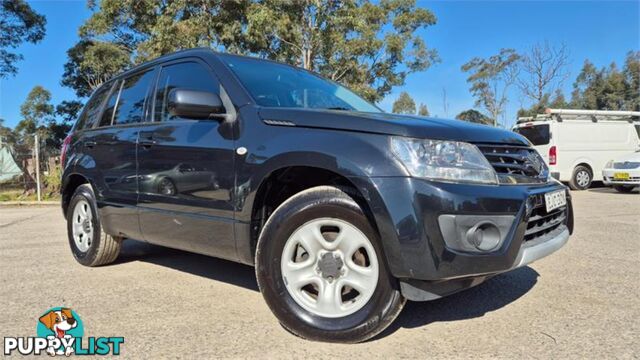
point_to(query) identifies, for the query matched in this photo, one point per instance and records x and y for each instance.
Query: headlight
(609, 165)
(444, 160)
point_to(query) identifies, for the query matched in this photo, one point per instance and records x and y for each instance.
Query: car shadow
(200, 265)
(491, 295)
(609, 190)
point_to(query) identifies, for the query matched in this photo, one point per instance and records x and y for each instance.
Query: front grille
(541, 223)
(515, 164)
(627, 165)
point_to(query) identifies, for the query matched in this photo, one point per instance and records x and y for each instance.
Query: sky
(601, 31)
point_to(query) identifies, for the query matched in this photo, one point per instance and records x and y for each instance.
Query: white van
(577, 144)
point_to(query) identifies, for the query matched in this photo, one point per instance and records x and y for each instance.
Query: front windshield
(278, 85)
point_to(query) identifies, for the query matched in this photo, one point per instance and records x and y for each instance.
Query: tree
(69, 110)
(90, 63)
(36, 111)
(543, 70)
(604, 89)
(614, 90)
(404, 104)
(558, 102)
(632, 77)
(423, 110)
(490, 80)
(368, 46)
(587, 86)
(7, 136)
(18, 24)
(474, 116)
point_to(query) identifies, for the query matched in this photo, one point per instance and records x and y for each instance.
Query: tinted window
(278, 85)
(187, 75)
(107, 114)
(538, 134)
(89, 114)
(130, 104)
(638, 130)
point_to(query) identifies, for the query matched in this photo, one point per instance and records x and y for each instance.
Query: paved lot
(582, 302)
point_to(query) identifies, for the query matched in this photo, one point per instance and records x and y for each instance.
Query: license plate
(621, 176)
(555, 199)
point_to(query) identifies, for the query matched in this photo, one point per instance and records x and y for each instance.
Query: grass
(19, 195)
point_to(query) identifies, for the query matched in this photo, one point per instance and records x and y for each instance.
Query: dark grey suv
(344, 210)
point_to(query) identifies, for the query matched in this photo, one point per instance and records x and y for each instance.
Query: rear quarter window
(89, 115)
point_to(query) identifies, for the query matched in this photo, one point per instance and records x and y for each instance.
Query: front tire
(321, 270)
(581, 179)
(90, 245)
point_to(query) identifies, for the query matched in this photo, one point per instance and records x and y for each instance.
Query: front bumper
(407, 212)
(608, 177)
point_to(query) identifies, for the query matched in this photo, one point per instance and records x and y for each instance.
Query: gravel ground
(581, 302)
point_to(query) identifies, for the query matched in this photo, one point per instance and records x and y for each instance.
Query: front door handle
(147, 142)
(90, 144)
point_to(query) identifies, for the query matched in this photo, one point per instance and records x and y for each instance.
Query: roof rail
(591, 112)
(575, 114)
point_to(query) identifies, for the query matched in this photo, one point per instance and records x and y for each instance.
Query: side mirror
(194, 104)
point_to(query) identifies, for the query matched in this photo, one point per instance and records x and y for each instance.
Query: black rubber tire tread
(387, 301)
(105, 248)
(573, 184)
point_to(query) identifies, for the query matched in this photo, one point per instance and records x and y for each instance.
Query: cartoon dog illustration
(59, 321)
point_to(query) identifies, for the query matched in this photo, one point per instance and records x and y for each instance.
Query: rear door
(185, 168)
(113, 147)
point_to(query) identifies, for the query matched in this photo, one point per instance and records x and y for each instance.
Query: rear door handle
(146, 138)
(90, 144)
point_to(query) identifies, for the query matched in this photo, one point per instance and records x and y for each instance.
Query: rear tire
(89, 244)
(624, 188)
(581, 179)
(352, 315)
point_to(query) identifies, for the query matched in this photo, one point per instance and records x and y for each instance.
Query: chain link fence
(29, 168)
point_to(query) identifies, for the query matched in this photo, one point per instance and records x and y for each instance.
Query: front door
(185, 170)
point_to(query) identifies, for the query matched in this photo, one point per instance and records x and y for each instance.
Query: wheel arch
(284, 182)
(69, 186)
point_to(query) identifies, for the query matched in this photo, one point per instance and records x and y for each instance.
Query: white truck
(577, 144)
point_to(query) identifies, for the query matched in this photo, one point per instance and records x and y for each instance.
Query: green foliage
(368, 46)
(18, 24)
(38, 117)
(404, 104)
(474, 116)
(90, 63)
(35, 111)
(608, 88)
(423, 110)
(7, 135)
(53, 180)
(491, 78)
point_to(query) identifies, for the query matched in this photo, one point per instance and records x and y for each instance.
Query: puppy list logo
(60, 332)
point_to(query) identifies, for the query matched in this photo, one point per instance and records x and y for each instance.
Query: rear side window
(638, 130)
(133, 94)
(90, 113)
(186, 75)
(537, 134)
(110, 106)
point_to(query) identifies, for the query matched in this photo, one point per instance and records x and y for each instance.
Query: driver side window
(187, 75)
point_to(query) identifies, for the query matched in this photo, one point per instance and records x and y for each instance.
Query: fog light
(484, 236)
(475, 233)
